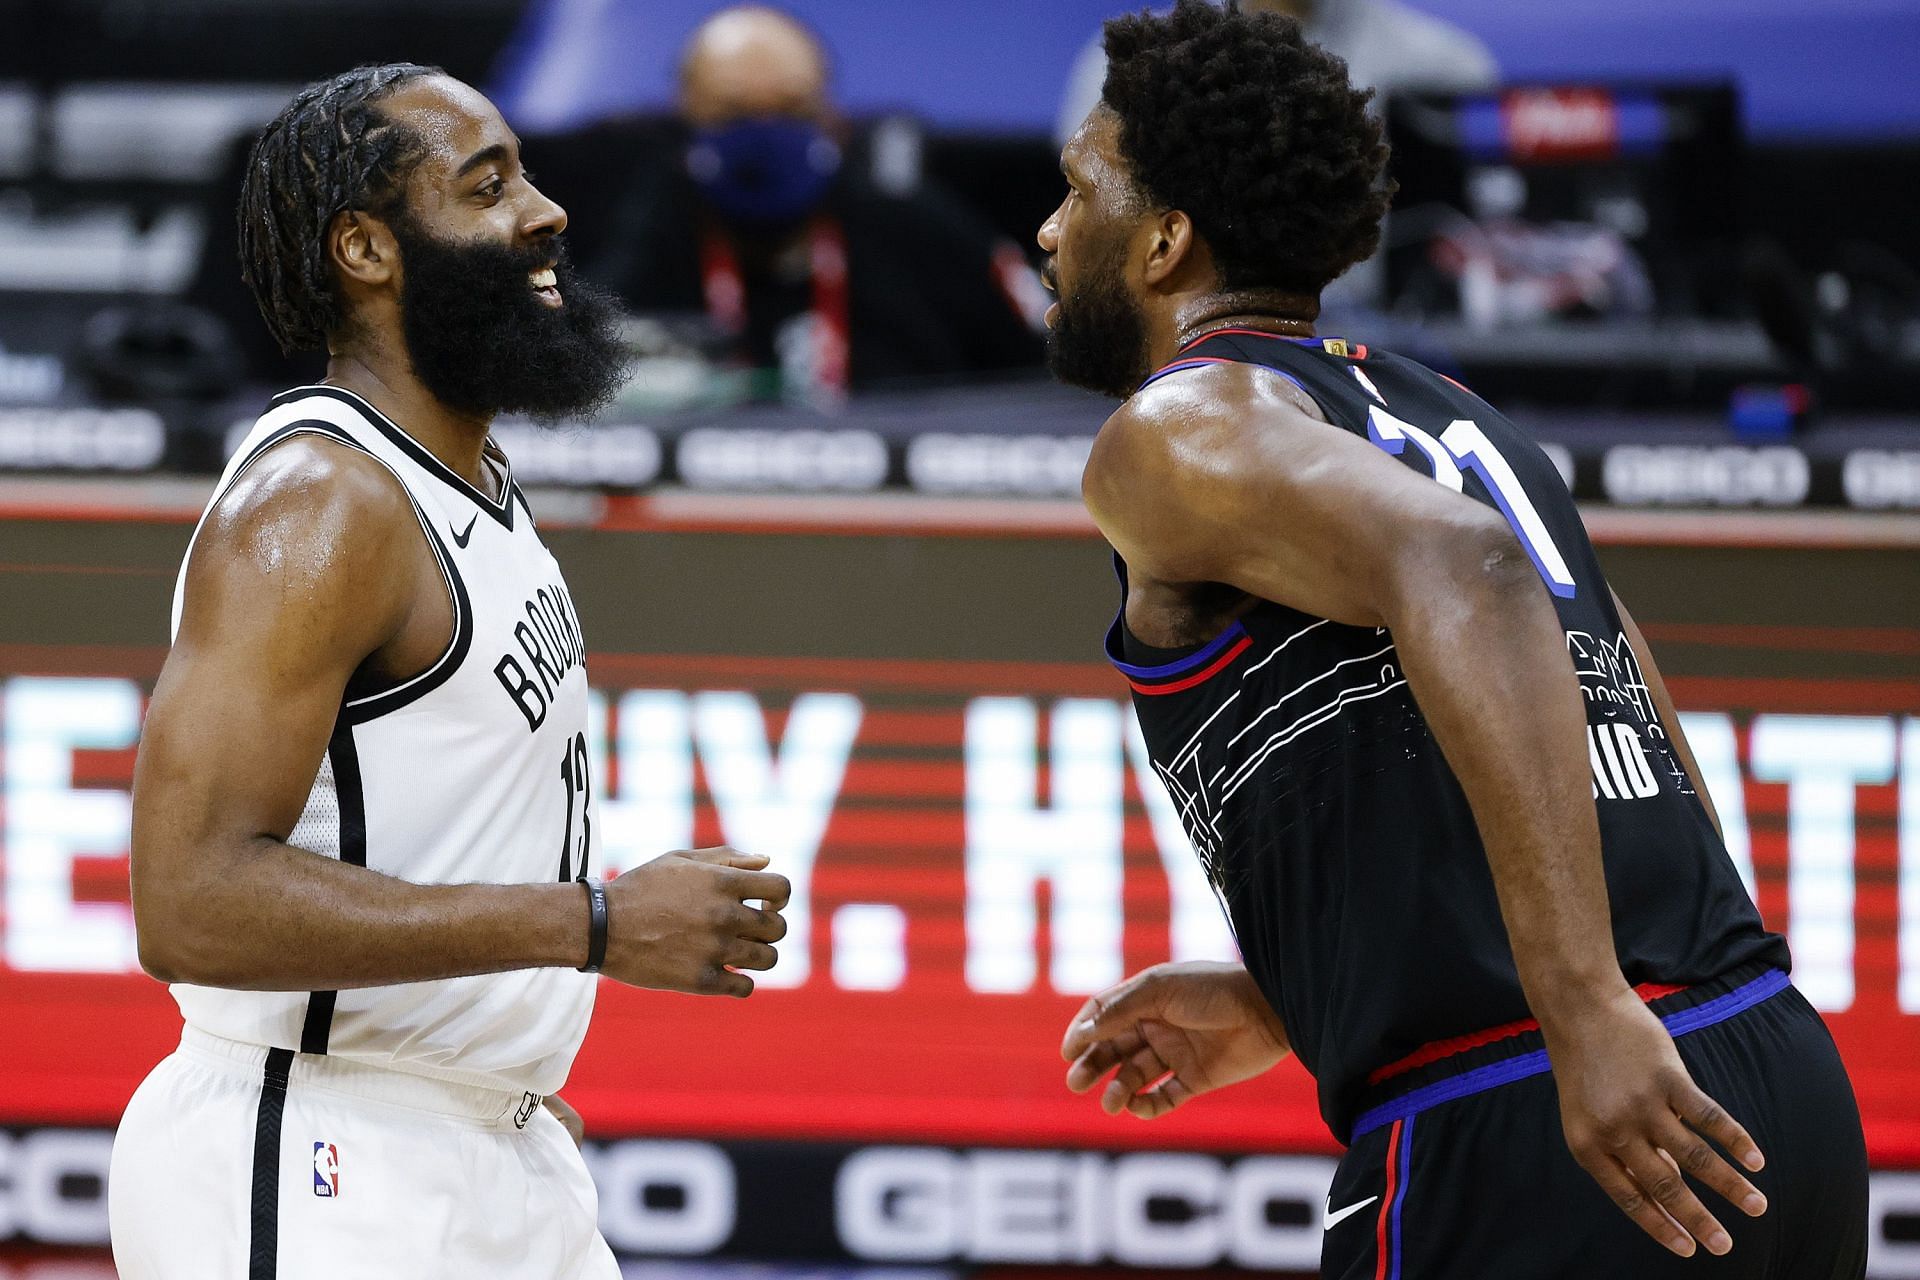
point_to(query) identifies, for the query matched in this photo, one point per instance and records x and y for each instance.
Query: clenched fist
(682, 923)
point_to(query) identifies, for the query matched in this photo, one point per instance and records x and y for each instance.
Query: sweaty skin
(313, 567)
(1226, 485)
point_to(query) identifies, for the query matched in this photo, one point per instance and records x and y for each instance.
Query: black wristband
(596, 925)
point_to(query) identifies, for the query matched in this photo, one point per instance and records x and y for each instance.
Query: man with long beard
(1418, 744)
(362, 844)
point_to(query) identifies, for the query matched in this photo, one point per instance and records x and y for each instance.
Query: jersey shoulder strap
(1432, 424)
(1348, 380)
(294, 415)
(391, 443)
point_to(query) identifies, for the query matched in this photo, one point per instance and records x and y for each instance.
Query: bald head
(752, 61)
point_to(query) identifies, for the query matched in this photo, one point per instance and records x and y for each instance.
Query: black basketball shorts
(1460, 1171)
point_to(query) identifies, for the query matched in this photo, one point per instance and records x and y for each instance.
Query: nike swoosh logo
(461, 539)
(1336, 1216)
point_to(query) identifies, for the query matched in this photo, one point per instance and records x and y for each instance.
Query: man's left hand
(1636, 1121)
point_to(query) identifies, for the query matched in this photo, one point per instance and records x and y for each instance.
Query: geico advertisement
(898, 1204)
(968, 860)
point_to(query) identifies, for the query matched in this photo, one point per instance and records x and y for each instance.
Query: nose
(1048, 237)
(544, 218)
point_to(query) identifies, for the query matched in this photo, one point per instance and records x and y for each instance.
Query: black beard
(1099, 338)
(483, 343)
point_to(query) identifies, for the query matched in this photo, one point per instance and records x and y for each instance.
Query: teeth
(543, 279)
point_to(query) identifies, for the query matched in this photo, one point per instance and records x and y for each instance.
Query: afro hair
(1255, 133)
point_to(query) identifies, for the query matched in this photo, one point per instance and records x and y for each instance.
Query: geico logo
(1718, 475)
(664, 1197)
(1893, 1226)
(941, 463)
(608, 454)
(715, 457)
(910, 1204)
(1878, 478)
(905, 1204)
(95, 439)
(53, 1185)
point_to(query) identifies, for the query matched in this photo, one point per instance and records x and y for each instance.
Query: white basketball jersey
(474, 771)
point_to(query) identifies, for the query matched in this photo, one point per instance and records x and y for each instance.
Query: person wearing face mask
(802, 264)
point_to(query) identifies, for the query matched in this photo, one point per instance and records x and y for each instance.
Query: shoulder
(1198, 421)
(306, 506)
(305, 557)
(1188, 460)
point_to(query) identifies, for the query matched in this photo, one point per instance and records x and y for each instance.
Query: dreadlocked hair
(1256, 134)
(330, 150)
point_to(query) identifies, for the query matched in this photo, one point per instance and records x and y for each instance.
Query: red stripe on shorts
(1386, 1203)
(1427, 1054)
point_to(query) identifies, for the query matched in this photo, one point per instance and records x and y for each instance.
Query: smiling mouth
(546, 284)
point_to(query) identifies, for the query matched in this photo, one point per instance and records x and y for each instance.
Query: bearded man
(1420, 747)
(362, 833)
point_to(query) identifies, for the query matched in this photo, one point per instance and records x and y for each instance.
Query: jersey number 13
(578, 781)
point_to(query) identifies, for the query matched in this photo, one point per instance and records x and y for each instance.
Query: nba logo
(326, 1170)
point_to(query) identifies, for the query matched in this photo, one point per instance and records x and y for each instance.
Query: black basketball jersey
(1329, 822)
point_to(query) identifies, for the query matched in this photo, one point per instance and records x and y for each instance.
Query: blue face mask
(763, 172)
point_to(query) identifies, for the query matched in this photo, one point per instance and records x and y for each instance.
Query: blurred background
(844, 605)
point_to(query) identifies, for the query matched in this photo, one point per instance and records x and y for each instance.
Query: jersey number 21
(1463, 445)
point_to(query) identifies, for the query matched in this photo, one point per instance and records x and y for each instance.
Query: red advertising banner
(973, 851)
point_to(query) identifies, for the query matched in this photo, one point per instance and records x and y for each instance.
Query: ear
(362, 248)
(1171, 245)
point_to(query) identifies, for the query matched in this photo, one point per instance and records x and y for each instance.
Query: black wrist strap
(596, 925)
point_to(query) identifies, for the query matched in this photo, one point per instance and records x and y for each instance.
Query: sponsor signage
(976, 845)
(974, 848)
(818, 454)
(55, 439)
(897, 1205)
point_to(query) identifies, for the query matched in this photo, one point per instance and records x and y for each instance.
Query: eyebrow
(494, 154)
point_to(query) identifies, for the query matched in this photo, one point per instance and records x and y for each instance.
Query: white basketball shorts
(237, 1162)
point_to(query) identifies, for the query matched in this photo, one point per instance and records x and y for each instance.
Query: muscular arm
(299, 575)
(1219, 476)
(309, 566)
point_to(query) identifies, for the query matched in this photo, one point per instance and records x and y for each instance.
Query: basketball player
(362, 846)
(1418, 744)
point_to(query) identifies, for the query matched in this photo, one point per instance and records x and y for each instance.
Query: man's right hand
(1176, 1031)
(682, 923)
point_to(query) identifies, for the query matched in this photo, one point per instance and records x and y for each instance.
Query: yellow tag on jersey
(1335, 346)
